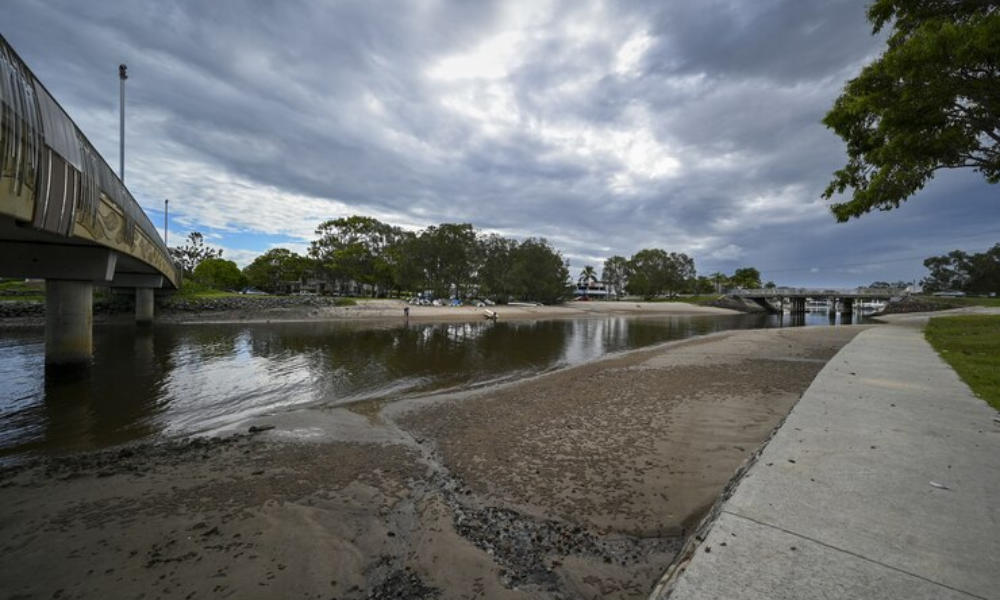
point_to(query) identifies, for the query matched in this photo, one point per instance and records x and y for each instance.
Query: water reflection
(171, 380)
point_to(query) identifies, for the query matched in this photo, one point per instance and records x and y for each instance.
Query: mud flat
(575, 484)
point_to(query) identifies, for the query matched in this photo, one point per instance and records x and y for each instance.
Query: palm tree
(587, 275)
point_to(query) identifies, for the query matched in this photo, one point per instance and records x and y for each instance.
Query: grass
(971, 345)
(20, 291)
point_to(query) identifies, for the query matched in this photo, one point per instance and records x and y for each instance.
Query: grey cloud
(276, 96)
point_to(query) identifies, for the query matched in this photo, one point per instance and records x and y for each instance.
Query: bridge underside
(28, 253)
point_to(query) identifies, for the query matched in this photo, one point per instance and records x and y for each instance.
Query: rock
(260, 428)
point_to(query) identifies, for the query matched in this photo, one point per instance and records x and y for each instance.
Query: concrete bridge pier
(144, 306)
(144, 286)
(847, 305)
(69, 319)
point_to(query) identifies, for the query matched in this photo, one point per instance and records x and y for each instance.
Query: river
(178, 380)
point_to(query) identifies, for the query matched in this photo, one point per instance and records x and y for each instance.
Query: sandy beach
(579, 483)
(369, 309)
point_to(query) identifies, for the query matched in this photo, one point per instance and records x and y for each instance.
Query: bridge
(67, 218)
(796, 297)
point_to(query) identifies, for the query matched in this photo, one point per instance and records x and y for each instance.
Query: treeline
(959, 271)
(361, 255)
(651, 273)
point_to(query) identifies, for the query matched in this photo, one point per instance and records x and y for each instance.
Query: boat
(491, 314)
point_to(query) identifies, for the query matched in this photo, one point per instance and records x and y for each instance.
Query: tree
(540, 273)
(747, 278)
(654, 272)
(703, 285)
(947, 273)
(220, 274)
(356, 248)
(587, 276)
(615, 274)
(721, 281)
(961, 272)
(191, 254)
(930, 102)
(446, 257)
(984, 272)
(496, 271)
(885, 285)
(275, 266)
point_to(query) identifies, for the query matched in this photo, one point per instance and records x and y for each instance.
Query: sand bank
(394, 310)
(577, 483)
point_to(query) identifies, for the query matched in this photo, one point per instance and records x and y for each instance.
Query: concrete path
(884, 482)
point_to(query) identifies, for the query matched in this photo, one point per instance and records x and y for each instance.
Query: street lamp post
(122, 76)
(166, 223)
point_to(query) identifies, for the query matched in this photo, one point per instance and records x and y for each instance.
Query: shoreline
(584, 483)
(383, 310)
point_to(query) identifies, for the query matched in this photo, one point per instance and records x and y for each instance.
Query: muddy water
(182, 380)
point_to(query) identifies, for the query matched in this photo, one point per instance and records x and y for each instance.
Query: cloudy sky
(604, 126)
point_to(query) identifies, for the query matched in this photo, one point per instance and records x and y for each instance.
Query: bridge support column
(848, 305)
(69, 319)
(144, 306)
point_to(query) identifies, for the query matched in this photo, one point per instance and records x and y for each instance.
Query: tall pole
(166, 223)
(122, 76)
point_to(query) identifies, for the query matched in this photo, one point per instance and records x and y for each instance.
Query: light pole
(122, 76)
(166, 223)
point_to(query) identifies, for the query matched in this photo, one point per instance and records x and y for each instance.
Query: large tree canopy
(930, 102)
(653, 272)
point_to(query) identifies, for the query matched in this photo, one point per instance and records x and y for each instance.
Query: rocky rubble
(912, 304)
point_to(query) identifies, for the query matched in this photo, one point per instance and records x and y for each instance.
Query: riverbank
(577, 483)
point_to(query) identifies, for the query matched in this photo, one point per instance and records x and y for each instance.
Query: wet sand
(575, 484)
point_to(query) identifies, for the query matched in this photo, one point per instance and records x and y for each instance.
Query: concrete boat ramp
(883, 482)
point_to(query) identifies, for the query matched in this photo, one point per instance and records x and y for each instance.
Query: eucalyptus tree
(616, 273)
(540, 273)
(496, 269)
(191, 254)
(356, 248)
(654, 272)
(276, 266)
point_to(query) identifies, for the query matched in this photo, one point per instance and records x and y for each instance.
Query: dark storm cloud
(604, 126)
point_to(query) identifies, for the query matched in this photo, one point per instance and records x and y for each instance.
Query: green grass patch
(21, 286)
(971, 345)
(193, 290)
